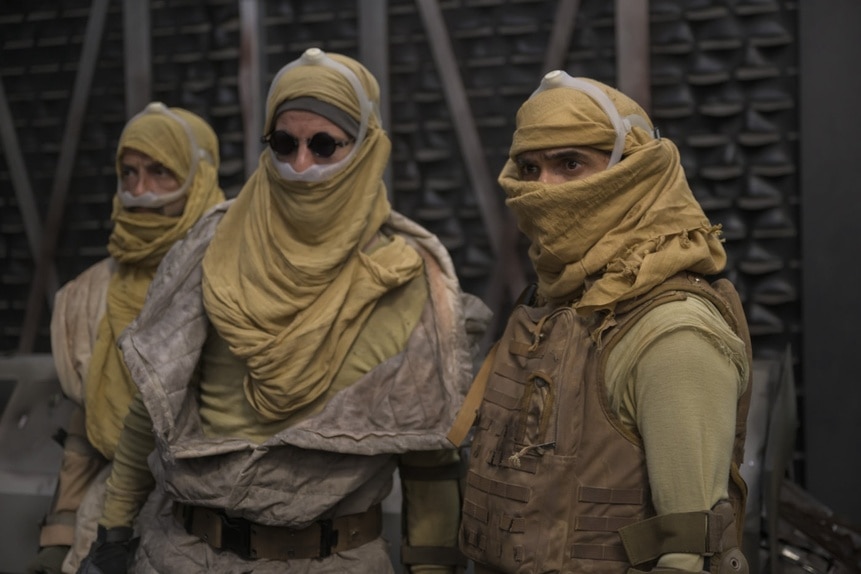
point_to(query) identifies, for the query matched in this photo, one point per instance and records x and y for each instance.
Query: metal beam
(138, 54)
(252, 39)
(373, 17)
(632, 51)
(560, 35)
(63, 175)
(499, 227)
(23, 190)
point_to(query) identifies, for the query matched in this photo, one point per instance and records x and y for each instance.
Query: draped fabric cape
(285, 280)
(338, 461)
(621, 231)
(138, 243)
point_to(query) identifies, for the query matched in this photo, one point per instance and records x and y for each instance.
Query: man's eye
(571, 164)
(528, 169)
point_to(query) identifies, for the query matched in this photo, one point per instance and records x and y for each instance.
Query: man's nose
(141, 185)
(304, 158)
(546, 176)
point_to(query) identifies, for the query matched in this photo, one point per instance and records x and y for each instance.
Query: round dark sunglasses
(321, 144)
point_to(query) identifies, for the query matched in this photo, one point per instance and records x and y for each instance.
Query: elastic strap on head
(317, 57)
(561, 79)
(150, 199)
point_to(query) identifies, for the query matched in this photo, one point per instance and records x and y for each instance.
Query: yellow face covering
(285, 280)
(138, 242)
(625, 229)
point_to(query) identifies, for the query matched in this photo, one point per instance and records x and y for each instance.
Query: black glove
(111, 553)
(49, 560)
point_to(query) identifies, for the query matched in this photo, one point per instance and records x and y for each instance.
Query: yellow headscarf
(625, 229)
(285, 279)
(187, 145)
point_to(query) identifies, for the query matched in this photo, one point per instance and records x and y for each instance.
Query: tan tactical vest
(554, 477)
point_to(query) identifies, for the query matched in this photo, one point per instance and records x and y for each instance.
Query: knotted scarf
(622, 231)
(138, 242)
(287, 279)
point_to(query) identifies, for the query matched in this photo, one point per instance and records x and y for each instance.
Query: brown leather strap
(251, 540)
(469, 410)
(697, 532)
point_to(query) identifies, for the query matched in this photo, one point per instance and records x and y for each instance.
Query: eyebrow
(149, 166)
(567, 152)
(551, 155)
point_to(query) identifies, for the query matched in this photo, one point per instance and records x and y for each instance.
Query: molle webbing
(686, 532)
(544, 421)
(722, 294)
(541, 423)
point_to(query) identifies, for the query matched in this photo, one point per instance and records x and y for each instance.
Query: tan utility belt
(251, 540)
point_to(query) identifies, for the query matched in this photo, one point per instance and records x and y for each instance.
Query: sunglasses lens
(322, 145)
(282, 143)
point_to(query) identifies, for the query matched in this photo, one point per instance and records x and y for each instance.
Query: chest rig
(555, 482)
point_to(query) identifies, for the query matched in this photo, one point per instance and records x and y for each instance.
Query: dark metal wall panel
(499, 50)
(831, 211)
(195, 52)
(41, 45)
(725, 90)
(72, 130)
(724, 86)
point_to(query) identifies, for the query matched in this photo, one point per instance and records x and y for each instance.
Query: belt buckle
(235, 535)
(328, 537)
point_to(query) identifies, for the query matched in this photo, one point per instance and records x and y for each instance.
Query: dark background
(759, 95)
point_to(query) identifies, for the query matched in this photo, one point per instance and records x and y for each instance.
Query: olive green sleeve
(678, 376)
(131, 480)
(431, 503)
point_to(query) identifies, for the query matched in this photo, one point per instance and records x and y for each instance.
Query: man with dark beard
(612, 424)
(302, 343)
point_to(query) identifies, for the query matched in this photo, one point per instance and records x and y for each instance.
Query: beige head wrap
(187, 145)
(285, 279)
(625, 229)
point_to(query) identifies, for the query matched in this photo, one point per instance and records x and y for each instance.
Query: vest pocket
(536, 408)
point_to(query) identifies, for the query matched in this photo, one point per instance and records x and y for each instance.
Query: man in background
(167, 170)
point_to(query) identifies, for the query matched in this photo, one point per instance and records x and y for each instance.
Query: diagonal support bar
(65, 164)
(374, 54)
(23, 190)
(560, 35)
(138, 54)
(632, 51)
(252, 39)
(500, 228)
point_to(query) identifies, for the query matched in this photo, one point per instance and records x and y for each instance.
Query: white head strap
(149, 198)
(317, 57)
(560, 79)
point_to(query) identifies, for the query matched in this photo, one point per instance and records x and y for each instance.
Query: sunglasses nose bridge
(303, 158)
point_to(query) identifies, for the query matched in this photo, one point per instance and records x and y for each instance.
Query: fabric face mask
(315, 172)
(150, 199)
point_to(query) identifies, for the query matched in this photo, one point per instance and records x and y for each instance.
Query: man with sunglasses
(613, 414)
(300, 345)
(167, 177)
